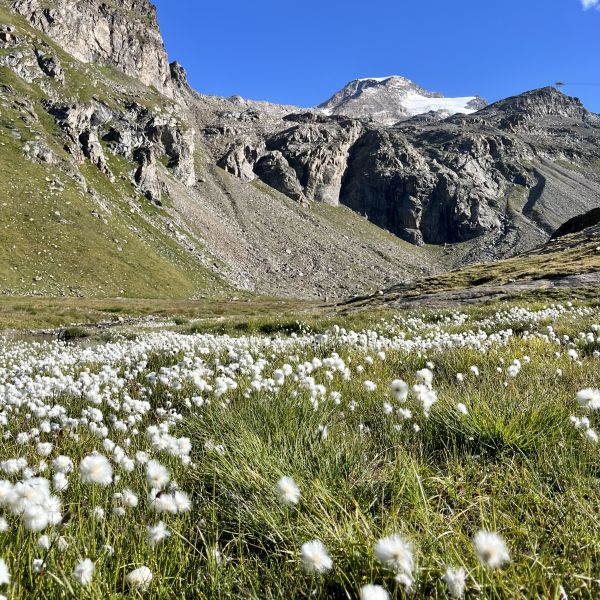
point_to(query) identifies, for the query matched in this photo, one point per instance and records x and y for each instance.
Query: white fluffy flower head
(491, 549)
(315, 558)
(373, 592)
(287, 490)
(95, 468)
(396, 554)
(455, 580)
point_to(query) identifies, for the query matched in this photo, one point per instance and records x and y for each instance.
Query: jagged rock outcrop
(318, 154)
(420, 193)
(276, 171)
(538, 104)
(435, 181)
(134, 133)
(578, 223)
(239, 160)
(8, 39)
(121, 33)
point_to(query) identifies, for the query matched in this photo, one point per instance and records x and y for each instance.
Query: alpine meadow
(254, 350)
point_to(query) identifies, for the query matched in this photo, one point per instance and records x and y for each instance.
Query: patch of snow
(380, 79)
(416, 104)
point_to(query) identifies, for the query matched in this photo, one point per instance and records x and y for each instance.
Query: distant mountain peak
(394, 98)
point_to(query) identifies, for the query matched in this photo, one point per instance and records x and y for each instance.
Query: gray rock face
(8, 39)
(133, 133)
(50, 65)
(317, 154)
(274, 169)
(122, 33)
(420, 194)
(388, 100)
(430, 180)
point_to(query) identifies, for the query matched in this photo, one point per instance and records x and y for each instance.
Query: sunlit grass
(513, 464)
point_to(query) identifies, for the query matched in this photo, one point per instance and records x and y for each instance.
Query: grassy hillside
(65, 228)
(572, 255)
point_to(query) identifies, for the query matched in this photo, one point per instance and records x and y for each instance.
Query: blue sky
(301, 52)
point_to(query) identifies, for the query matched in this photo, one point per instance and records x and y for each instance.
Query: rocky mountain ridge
(276, 199)
(516, 169)
(121, 33)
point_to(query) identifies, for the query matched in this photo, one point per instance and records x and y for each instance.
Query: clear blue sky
(301, 52)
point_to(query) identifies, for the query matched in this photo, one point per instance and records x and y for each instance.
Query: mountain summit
(391, 99)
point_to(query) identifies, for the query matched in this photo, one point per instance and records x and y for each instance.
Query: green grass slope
(55, 238)
(571, 256)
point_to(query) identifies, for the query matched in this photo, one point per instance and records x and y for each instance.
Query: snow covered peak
(391, 99)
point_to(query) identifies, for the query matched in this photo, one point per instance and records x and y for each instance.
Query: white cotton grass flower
(96, 468)
(84, 572)
(44, 448)
(38, 566)
(98, 513)
(139, 579)
(157, 534)
(426, 396)
(373, 592)
(513, 371)
(462, 409)
(399, 389)
(162, 502)
(491, 549)
(315, 558)
(158, 476)
(4, 573)
(130, 500)
(35, 518)
(4, 527)
(62, 544)
(43, 542)
(369, 386)
(62, 464)
(425, 377)
(182, 501)
(589, 398)
(396, 554)
(455, 580)
(288, 491)
(406, 581)
(60, 483)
